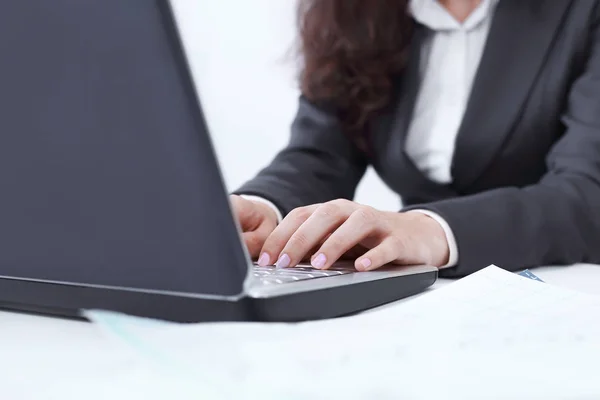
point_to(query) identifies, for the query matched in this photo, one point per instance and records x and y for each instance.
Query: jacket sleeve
(319, 164)
(557, 220)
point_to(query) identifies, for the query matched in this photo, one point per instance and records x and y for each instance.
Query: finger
(391, 249)
(323, 221)
(276, 241)
(359, 225)
(254, 240)
(246, 213)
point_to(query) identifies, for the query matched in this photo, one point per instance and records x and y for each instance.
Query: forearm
(554, 222)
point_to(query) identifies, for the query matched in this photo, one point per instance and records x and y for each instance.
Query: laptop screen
(107, 174)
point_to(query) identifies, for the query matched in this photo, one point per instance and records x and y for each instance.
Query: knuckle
(300, 213)
(330, 210)
(298, 240)
(335, 244)
(273, 243)
(340, 202)
(366, 214)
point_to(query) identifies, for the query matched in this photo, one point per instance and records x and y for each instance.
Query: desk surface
(54, 358)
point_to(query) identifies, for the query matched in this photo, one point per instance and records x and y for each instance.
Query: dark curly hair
(351, 50)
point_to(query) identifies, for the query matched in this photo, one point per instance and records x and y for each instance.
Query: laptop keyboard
(274, 276)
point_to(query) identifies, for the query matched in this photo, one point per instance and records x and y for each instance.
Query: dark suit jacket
(526, 169)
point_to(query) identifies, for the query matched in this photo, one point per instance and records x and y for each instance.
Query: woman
(484, 116)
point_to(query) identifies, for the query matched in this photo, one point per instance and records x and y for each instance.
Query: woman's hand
(257, 221)
(330, 231)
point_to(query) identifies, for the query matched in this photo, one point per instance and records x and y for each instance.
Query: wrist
(435, 240)
(263, 201)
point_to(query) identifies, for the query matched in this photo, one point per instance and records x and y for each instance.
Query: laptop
(111, 194)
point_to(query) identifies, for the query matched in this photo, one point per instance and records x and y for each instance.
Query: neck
(460, 9)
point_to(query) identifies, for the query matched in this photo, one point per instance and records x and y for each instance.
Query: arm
(556, 221)
(319, 164)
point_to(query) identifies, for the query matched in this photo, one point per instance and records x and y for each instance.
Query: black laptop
(110, 192)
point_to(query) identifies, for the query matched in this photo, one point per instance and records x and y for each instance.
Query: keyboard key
(271, 275)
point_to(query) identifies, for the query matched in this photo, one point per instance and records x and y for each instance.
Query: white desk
(50, 358)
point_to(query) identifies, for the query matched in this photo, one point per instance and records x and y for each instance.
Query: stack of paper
(493, 334)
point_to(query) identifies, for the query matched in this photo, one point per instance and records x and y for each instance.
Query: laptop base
(57, 300)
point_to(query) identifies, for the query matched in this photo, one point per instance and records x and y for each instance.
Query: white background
(241, 54)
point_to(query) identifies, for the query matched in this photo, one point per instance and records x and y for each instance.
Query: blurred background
(241, 55)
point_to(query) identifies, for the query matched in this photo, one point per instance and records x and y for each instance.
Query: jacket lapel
(521, 33)
(392, 127)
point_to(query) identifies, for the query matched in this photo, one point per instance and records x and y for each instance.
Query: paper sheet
(493, 334)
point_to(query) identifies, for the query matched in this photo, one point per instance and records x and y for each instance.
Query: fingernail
(283, 262)
(264, 259)
(319, 261)
(366, 264)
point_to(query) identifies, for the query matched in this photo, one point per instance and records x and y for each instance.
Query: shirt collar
(434, 16)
